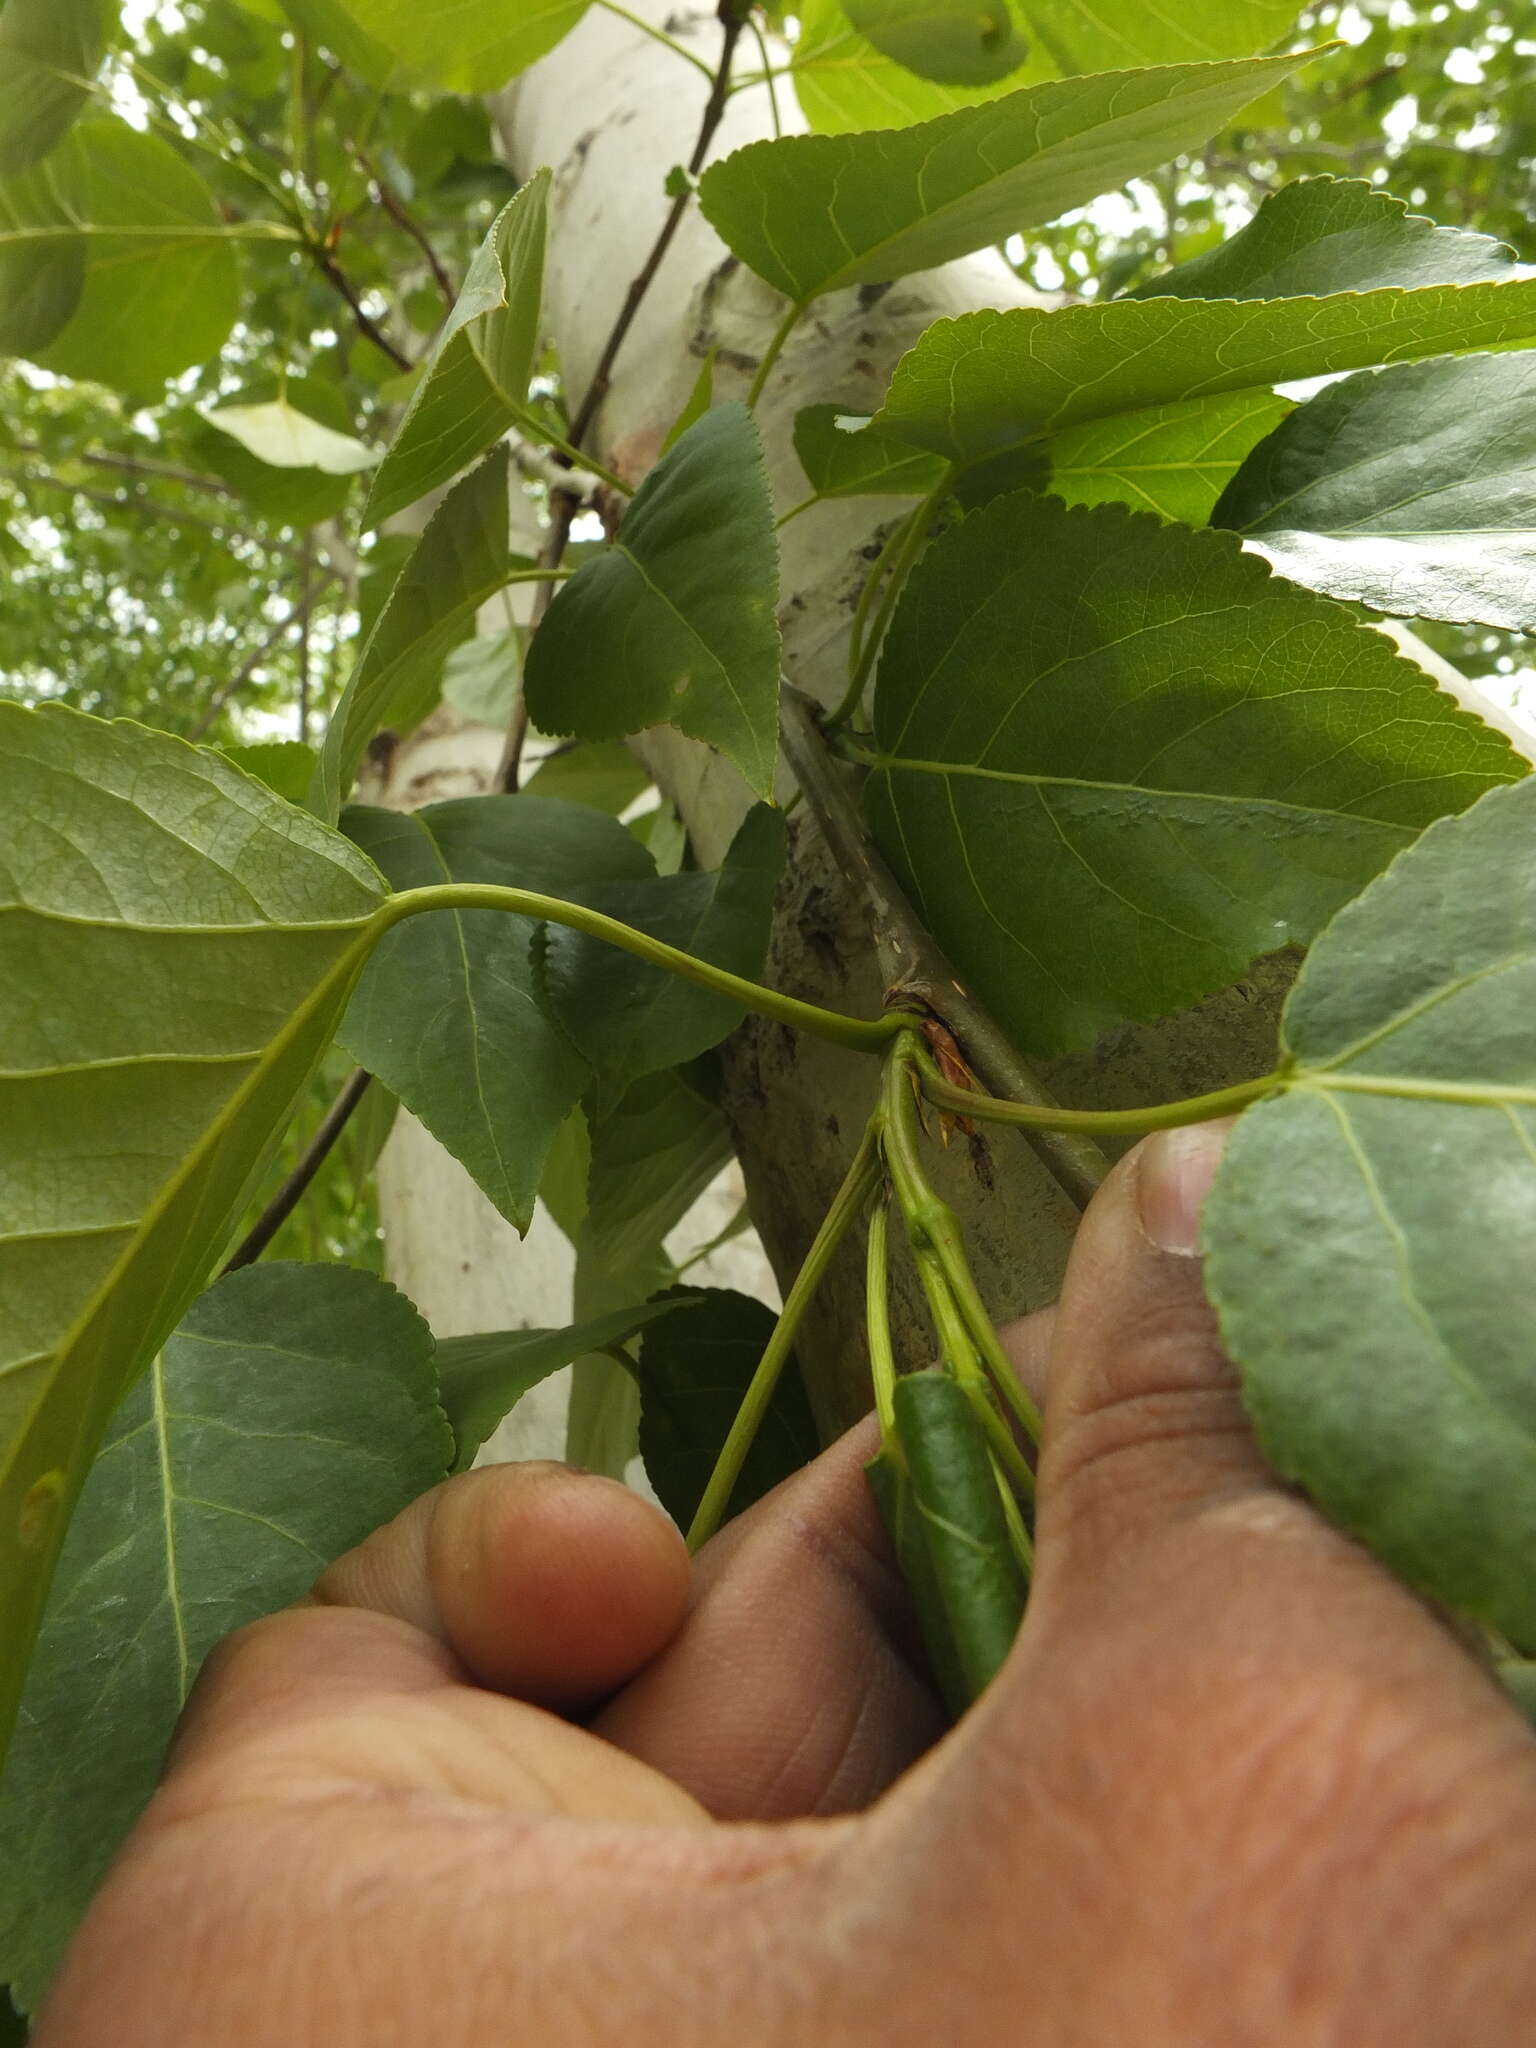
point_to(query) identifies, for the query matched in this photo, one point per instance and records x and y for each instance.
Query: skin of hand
(517, 1775)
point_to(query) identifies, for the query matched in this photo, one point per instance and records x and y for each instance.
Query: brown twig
(239, 679)
(316, 1152)
(398, 212)
(337, 278)
(134, 465)
(714, 112)
(912, 964)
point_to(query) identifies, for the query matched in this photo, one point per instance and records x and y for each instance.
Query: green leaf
(843, 82)
(1324, 235)
(283, 765)
(989, 381)
(467, 49)
(675, 621)
(14, 2032)
(955, 1499)
(812, 213)
(1085, 35)
(50, 51)
(694, 1369)
(1411, 490)
(843, 459)
(1371, 1237)
(627, 1018)
(1118, 759)
(476, 385)
(603, 774)
(480, 676)
(133, 1126)
(445, 1013)
(954, 42)
(293, 1412)
(697, 403)
(460, 561)
(484, 1377)
(283, 437)
(293, 497)
(114, 264)
(1174, 460)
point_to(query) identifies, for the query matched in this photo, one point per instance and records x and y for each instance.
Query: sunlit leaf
(467, 48)
(293, 1411)
(1191, 761)
(282, 436)
(49, 54)
(954, 42)
(844, 83)
(1174, 460)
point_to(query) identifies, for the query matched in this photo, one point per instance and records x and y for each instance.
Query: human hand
(1234, 1785)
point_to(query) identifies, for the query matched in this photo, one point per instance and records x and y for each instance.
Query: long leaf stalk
(913, 540)
(1099, 1123)
(858, 1184)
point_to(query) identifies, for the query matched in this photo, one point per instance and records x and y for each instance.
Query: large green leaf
(49, 54)
(954, 42)
(469, 46)
(1174, 460)
(1371, 1237)
(460, 561)
(990, 381)
(843, 459)
(604, 774)
(1412, 490)
(1118, 759)
(1086, 35)
(628, 1019)
(811, 213)
(1324, 235)
(844, 83)
(114, 264)
(446, 1013)
(694, 1369)
(293, 1411)
(481, 677)
(176, 945)
(477, 382)
(485, 1376)
(675, 622)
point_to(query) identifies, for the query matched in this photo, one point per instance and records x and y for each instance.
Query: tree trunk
(612, 112)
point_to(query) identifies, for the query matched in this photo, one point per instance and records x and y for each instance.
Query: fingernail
(1173, 1177)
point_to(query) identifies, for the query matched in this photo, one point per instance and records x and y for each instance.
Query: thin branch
(714, 111)
(316, 1152)
(403, 218)
(136, 465)
(912, 965)
(239, 679)
(336, 277)
(563, 507)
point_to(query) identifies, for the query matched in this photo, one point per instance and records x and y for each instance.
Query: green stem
(850, 1198)
(537, 429)
(1102, 1123)
(768, 76)
(537, 576)
(860, 1034)
(781, 334)
(659, 36)
(877, 1315)
(890, 546)
(915, 533)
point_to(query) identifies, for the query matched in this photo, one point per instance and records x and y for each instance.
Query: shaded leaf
(843, 459)
(484, 1377)
(812, 213)
(990, 381)
(694, 1369)
(629, 1019)
(445, 1013)
(114, 264)
(844, 83)
(954, 42)
(1411, 490)
(460, 561)
(293, 1411)
(476, 385)
(480, 677)
(1174, 460)
(675, 622)
(697, 403)
(49, 52)
(466, 49)
(1322, 235)
(283, 765)
(1371, 1237)
(1118, 759)
(602, 773)
(132, 1127)
(283, 437)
